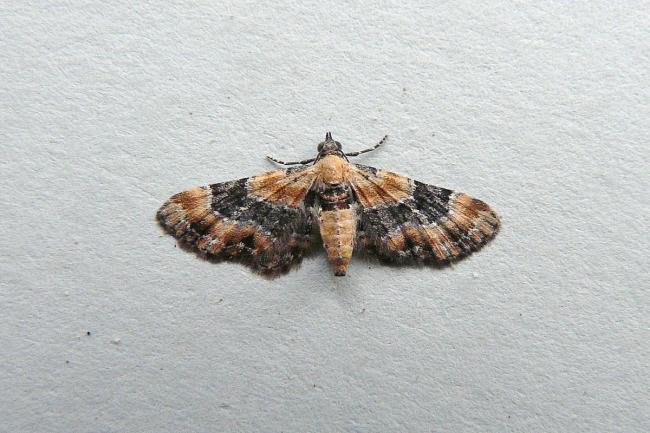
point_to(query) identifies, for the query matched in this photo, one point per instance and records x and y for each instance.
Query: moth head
(329, 146)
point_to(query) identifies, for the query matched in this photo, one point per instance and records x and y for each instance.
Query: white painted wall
(541, 109)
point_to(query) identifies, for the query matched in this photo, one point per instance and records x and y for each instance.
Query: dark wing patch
(259, 221)
(423, 223)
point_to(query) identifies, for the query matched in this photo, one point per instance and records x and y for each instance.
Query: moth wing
(401, 219)
(261, 221)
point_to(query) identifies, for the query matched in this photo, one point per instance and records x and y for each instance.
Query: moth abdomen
(333, 197)
(338, 229)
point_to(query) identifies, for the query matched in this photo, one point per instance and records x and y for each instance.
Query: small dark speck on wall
(88, 333)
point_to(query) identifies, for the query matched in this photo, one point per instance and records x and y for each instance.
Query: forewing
(405, 220)
(261, 221)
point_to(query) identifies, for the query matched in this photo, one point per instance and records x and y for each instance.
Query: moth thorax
(332, 170)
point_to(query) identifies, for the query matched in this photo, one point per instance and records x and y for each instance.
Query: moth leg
(304, 161)
(382, 141)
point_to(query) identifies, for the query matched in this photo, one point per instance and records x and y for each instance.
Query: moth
(270, 221)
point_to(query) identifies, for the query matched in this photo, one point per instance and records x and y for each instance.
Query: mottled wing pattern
(401, 219)
(260, 221)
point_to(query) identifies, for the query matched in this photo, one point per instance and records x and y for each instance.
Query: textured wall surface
(540, 110)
